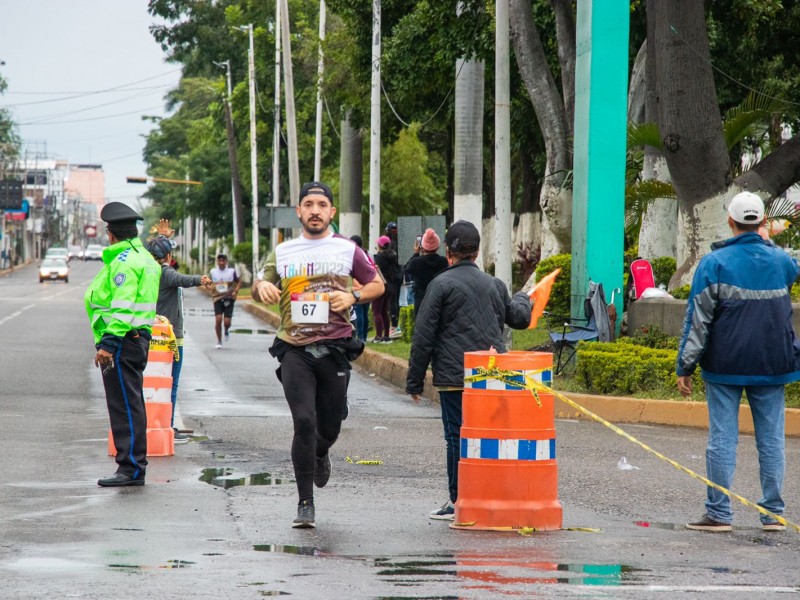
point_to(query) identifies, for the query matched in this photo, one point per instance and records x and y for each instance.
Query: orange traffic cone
(157, 394)
(507, 473)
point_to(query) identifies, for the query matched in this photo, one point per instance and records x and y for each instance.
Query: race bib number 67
(310, 308)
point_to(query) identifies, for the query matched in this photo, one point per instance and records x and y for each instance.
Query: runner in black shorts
(226, 284)
(315, 341)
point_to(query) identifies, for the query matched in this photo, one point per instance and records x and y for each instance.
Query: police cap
(119, 212)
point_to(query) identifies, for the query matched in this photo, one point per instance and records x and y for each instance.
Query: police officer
(121, 304)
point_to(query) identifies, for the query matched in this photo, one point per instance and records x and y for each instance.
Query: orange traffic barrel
(160, 441)
(507, 472)
(159, 364)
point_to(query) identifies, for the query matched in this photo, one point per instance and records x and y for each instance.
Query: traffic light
(136, 179)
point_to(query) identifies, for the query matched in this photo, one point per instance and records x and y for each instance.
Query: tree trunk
(690, 127)
(565, 33)
(468, 148)
(659, 232)
(550, 112)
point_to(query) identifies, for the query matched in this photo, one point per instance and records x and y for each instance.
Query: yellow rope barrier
(491, 372)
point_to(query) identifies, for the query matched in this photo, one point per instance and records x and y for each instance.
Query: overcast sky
(81, 74)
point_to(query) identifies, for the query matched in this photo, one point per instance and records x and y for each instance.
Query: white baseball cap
(746, 208)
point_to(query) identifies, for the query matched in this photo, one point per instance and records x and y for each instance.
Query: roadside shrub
(681, 293)
(794, 293)
(623, 368)
(663, 269)
(405, 321)
(559, 302)
(652, 336)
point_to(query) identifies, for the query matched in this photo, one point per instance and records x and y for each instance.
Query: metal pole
(320, 73)
(291, 121)
(502, 148)
(238, 234)
(375, 131)
(253, 147)
(276, 134)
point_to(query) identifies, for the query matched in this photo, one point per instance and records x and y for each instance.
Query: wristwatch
(356, 295)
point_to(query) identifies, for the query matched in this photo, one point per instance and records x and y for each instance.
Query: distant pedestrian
(386, 260)
(738, 328)
(426, 264)
(464, 310)
(361, 310)
(396, 277)
(121, 304)
(170, 305)
(225, 291)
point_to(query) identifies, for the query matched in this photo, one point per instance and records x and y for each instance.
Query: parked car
(57, 253)
(93, 252)
(75, 252)
(54, 269)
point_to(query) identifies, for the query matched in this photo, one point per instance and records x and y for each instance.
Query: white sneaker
(227, 337)
(218, 346)
(446, 513)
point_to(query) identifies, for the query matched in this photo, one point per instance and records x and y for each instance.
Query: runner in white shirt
(225, 288)
(311, 276)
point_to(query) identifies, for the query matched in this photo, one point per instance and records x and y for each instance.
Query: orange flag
(540, 294)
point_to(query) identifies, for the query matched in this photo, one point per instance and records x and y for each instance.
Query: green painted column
(601, 100)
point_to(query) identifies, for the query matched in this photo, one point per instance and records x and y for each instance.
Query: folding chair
(569, 331)
(642, 276)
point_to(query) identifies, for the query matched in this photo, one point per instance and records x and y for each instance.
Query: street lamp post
(238, 221)
(253, 147)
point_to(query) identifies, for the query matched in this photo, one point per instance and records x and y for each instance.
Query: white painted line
(16, 314)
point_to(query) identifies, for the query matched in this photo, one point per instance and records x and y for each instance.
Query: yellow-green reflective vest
(124, 293)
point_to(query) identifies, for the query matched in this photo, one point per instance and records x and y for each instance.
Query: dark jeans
(380, 311)
(394, 305)
(362, 321)
(125, 400)
(315, 390)
(176, 377)
(451, 419)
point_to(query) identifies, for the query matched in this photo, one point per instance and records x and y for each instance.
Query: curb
(612, 408)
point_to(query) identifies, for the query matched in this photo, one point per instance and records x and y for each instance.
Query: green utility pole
(601, 99)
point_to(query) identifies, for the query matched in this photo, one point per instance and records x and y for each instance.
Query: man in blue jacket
(738, 328)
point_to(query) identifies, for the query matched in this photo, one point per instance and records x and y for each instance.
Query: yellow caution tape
(505, 375)
(531, 384)
(363, 462)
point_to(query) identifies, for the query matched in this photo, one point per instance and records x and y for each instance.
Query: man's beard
(315, 227)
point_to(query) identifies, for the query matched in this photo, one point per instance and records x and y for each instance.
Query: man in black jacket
(465, 310)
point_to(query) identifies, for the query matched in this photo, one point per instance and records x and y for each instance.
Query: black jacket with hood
(464, 311)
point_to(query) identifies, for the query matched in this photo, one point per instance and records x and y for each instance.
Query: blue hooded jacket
(738, 324)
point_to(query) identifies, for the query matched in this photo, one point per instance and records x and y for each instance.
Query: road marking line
(16, 314)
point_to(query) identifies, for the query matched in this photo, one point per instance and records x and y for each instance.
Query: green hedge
(623, 368)
(559, 302)
(406, 322)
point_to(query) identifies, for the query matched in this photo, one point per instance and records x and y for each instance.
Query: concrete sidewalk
(611, 408)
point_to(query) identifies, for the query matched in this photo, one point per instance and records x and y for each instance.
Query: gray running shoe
(322, 470)
(305, 515)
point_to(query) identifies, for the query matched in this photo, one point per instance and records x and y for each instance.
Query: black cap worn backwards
(315, 187)
(462, 237)
(119, 212)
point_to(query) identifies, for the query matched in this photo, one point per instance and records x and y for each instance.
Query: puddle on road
(506, 571)
(198, 312)
(224, 477)
(490, 572)
(251, 331)
(282, 549)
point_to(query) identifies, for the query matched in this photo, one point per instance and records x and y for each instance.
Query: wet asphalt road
(214, 519)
